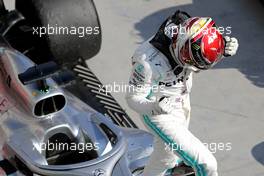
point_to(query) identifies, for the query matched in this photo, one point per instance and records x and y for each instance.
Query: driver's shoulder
(147, 54)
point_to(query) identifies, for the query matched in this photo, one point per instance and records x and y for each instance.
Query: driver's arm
(140, 87)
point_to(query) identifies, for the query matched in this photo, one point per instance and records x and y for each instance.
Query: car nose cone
(99, 172)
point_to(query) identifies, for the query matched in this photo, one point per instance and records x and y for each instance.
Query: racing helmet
(198, 44)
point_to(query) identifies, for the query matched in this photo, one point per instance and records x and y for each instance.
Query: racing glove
(166, 105)
(231, 46)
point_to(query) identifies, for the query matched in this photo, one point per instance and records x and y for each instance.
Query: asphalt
(227, 101)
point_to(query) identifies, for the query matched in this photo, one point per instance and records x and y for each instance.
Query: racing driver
(162, 74)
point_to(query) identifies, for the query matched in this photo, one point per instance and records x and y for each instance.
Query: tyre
(72, 27)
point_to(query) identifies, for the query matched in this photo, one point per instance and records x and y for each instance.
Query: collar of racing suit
(162, 42)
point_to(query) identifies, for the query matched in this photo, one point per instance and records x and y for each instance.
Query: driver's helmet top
(198, 43)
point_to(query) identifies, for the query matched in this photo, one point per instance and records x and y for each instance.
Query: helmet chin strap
(192, 68)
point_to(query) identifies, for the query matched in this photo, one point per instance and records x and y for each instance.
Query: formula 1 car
(54, 119)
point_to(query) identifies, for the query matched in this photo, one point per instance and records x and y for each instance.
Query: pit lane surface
(227, 101)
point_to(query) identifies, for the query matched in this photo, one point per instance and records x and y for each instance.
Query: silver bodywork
(24, 134)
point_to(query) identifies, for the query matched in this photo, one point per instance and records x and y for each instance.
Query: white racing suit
(153, 77)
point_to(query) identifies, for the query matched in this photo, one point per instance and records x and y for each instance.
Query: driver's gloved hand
(231, 46)
(165, 105)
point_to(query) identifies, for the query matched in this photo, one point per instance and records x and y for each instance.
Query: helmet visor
(191, 54)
